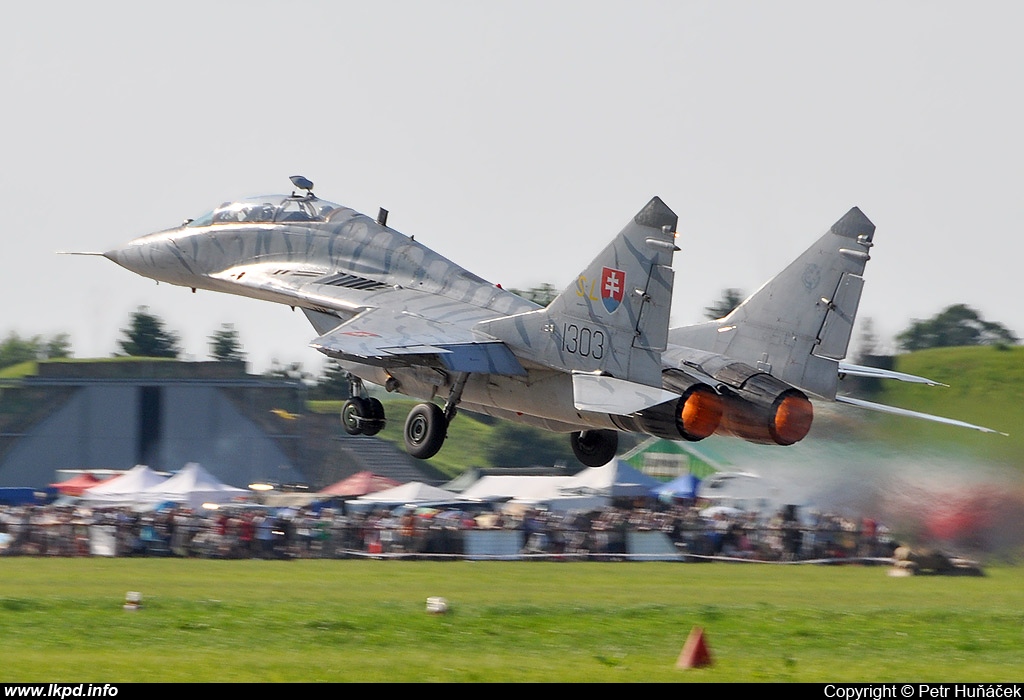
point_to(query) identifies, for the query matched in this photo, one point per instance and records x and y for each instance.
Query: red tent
(360, 484)
(76, 484)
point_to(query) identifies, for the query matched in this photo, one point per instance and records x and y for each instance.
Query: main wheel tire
(353, 415)
(425, 430)
(375, 419)
(595, 448)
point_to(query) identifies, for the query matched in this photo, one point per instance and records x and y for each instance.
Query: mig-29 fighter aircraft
(598, 360)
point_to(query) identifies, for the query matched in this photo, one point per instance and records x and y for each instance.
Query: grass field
(986, 387)
(62, 620)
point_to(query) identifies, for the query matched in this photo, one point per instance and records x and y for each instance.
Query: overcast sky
(516, 138)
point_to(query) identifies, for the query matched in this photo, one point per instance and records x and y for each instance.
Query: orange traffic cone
(695, 653)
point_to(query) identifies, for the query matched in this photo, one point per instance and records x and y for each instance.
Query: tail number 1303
(582, 341)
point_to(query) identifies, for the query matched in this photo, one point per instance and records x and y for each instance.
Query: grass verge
(365, 620)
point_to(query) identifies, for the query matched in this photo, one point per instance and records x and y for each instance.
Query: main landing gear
(426, 426)
(362, 414)
(425, 430)
(595, 448)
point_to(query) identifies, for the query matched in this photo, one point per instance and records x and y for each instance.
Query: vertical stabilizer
(614, 317)
(799, 323)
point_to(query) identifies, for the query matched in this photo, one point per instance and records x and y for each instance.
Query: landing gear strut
(426, 427)
(595, 448)
(362, 414)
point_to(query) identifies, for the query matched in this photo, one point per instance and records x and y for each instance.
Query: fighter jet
(598, 360)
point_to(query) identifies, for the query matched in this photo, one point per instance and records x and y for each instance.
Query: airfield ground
(357, 620)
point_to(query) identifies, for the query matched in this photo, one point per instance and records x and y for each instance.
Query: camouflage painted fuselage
(600, 356)
(347, 265)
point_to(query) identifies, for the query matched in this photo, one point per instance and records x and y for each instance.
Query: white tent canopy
(524, 488)
(541, 491)
(614, 480)
(413, 492)
(192, 487)
(124, 489)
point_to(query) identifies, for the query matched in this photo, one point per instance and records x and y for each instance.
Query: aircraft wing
(386, 336)
(864, 371)
(379, 323)
(882, 408)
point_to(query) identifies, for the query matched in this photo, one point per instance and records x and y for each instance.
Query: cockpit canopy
(275, 208)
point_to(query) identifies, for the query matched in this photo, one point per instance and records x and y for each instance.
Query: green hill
(986, 387)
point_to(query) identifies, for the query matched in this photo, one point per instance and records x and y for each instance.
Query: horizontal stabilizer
(878, 373)
(600, 394)
(378, 336)
(912, 414)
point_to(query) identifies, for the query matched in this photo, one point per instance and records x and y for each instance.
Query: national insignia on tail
(612, 284)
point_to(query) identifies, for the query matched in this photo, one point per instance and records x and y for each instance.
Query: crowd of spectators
(248, 531)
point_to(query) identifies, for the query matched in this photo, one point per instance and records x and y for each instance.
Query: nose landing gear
(362, 414)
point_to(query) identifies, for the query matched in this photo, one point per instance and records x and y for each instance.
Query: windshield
(268, 209)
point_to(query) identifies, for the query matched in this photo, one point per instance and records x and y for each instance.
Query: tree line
(512, 444)
(955, 326)
(146, 335)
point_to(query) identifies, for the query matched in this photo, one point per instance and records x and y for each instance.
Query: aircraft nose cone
(129, 257)
(157, 256)
(143, 256)
(114, 255)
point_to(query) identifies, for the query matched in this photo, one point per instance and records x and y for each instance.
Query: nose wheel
(361, 416)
